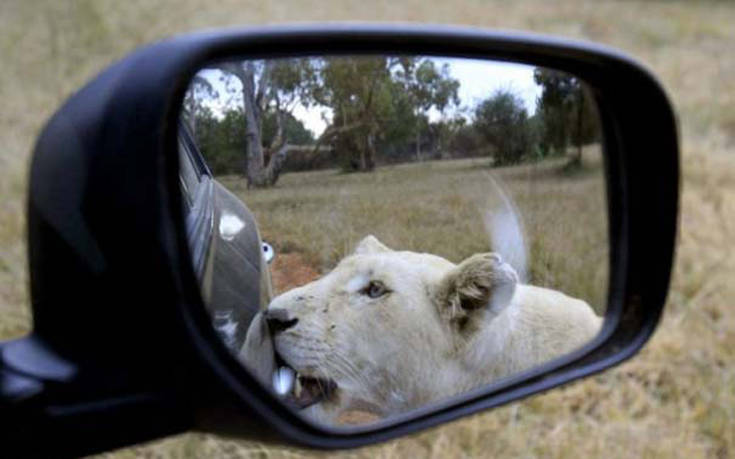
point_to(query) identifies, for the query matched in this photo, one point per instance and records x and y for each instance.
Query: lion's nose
(279, 319)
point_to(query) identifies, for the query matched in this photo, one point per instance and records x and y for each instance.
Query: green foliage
(382, 110)
(422, 86)
(467, 142)
(567, 112)
(290, 80)
(380, 103)
(269, 87)
(296, 132)
(221, 141)
(503, 122)
(426, 85)
(199, 88)
(359, 93)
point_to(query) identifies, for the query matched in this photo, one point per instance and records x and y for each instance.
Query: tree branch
(332, 131)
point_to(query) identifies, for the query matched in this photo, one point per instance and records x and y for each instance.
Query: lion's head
(386, 331)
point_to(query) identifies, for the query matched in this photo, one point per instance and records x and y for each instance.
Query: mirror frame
(106, 231)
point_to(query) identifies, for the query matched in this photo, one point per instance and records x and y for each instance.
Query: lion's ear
(370, 244)
(481, 283)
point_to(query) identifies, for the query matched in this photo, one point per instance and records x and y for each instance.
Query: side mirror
(462, 218)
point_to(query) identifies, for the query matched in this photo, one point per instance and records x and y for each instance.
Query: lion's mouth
(300, 389)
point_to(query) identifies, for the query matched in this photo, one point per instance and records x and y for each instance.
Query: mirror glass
(374, 234)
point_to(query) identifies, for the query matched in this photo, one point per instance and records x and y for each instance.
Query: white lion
(387, 331)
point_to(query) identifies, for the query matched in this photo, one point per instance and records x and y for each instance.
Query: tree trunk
(262, 167)
(275, 166)
(576, 160)
(369, 153)
(418, 145)
(363, 159)
(276, 154)
(254, 161)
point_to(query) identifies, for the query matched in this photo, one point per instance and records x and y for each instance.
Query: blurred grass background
(675, 399)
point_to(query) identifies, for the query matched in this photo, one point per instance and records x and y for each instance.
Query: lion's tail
(505, 228)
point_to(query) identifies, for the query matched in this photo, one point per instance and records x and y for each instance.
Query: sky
(478, 80)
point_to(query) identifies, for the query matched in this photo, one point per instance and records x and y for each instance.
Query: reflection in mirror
(374, 234)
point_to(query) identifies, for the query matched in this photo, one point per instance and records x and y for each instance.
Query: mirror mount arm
(43, 414)
(25, 364)
(18, 386)
(98, 296)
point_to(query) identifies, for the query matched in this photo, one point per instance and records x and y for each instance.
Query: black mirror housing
(122, 350)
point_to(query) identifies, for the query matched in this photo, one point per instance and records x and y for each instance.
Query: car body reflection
(227, 252)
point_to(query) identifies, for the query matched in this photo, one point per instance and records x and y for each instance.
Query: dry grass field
(675, 399)
(440, 207)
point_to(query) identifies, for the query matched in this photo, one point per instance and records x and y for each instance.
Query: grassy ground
(675, 399)
(440, 207)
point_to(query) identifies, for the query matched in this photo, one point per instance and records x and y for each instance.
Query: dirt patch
(290, 270)
(356, 417)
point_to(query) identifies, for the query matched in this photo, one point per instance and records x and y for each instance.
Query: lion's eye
(375, 290)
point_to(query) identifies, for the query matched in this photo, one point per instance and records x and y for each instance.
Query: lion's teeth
(297, 387)
(283, 380)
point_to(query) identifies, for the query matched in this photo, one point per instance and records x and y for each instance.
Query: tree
(358, 92)
(270, 86)
(568, 113)
(425, 86)
(446, 133)
(222, 144)
(379, 102)
(294, 130)
(376, 103)
(220, 140)
(586, 124)
(194, 107)
(503, 122)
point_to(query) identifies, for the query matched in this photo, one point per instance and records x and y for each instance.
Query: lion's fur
(442, 329)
